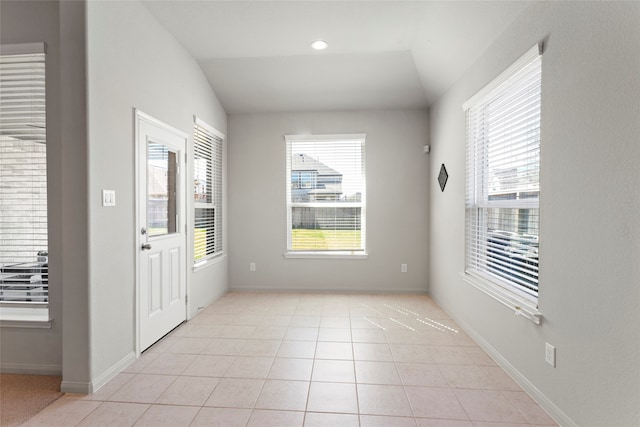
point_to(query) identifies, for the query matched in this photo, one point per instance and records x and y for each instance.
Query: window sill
(520, 305)
(23, 317)
(326, 255)
(201, 265)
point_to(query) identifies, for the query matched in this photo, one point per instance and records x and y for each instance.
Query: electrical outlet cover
(550, 354)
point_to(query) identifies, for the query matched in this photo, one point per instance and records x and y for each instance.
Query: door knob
(146, 246)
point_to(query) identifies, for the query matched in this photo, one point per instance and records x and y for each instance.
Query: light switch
(108, 197)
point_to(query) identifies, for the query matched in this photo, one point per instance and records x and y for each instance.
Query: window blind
(207, 171)
(326, 193)
(503, 169)
(23, 175)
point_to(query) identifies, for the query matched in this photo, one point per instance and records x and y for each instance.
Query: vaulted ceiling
(381, 54)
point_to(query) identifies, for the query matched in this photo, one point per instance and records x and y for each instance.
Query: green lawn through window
(314, 240)
(200, 243)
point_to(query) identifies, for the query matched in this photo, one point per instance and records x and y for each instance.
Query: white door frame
(138, 117)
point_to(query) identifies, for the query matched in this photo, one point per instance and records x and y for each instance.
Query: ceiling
(381, 54)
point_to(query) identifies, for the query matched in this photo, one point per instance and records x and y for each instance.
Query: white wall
(397, 191)
(76, 363)
(589, 244)
(133, 62)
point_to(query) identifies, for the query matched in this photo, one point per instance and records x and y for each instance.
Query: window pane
(512, 245)
(203, 165)
(503, 178)
(202, 180)
(328, 229)
(23, 179)
(207, 192)
(204, 232)
(326, 193)
(326, 171)
(161, 190)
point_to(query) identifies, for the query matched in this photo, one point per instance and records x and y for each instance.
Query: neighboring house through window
(207, 192)
(503, 181)
(325, 195)
(24, 279)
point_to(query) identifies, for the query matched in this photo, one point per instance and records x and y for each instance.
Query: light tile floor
(285, 359)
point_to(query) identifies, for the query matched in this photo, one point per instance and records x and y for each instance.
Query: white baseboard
(113, 371)
(69, 386)
(105, 377)
(75, 387)
(324, 290)
(30, 369)
(556, 413)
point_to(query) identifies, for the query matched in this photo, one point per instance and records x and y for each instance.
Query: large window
(207, 191)
(23, 176)
(325, 194)
(503, 186)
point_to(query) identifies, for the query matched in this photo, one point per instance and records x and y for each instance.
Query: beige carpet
(23, 396)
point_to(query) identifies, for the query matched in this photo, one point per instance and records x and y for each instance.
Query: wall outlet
(403, 268)
(550, 354)
(252, 266)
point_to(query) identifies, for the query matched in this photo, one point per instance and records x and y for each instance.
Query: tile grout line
(355, 373)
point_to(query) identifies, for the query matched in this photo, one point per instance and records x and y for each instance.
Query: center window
(325, 194)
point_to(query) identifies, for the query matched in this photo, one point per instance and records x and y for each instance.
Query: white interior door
(161, 242)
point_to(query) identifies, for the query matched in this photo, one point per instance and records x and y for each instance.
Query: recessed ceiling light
(319, 45)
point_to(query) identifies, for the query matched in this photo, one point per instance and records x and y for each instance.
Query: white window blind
(503, 186)
(207, 170)
(23, 175)
(325, 192)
